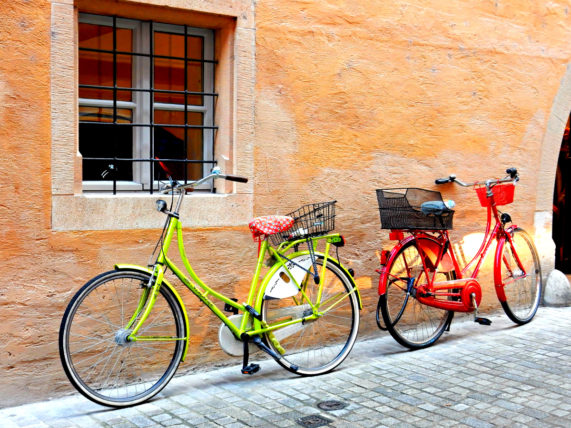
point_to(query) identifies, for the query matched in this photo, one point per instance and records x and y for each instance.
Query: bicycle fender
(276, 267)
(384, 272)
(498, 271)
(142, 269)
(498, 262)
(430, 247)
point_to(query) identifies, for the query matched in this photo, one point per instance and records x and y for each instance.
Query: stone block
(557, 290)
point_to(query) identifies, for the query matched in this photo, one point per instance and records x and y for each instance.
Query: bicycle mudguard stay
(428, 244)
(129, 267)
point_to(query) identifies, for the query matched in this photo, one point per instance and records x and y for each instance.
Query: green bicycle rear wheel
(97, 357)
(317, 346)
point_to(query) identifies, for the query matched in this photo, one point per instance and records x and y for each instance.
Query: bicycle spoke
(319, 344)
(521, 277)
(100, 361)
(410, 322)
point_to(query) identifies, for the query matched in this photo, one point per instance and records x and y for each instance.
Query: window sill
(102, 211)
(107, 186)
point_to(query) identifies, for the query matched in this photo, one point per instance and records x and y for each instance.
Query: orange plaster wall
(362, 95)
(26, 321)
(350, 97)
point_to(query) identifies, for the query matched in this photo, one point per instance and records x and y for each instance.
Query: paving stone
(473, 377)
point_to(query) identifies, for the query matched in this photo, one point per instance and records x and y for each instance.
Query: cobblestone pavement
(475, 376)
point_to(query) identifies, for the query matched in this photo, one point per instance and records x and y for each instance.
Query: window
(232, 36)
(146, 102)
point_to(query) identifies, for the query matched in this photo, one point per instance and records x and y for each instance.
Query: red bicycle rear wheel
(411, 323)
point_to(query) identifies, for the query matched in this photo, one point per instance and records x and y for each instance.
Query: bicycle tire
(316, 347)
(411, 323)
(97, 359)
(523, 294)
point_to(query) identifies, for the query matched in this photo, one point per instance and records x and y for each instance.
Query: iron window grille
(145, 110)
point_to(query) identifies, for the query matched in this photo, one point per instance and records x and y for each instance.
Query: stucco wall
(349, 97)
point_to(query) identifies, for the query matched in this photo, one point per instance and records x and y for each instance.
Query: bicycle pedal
(483, 321)
(251, 369)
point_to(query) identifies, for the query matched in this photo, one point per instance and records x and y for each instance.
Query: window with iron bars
(146, 103)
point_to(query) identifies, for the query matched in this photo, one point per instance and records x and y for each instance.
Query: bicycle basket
(400, 209)
(309, 220)
(503, 194)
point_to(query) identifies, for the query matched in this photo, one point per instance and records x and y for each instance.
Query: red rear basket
(503, 194)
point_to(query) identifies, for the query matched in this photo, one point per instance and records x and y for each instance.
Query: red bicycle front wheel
(518, 277)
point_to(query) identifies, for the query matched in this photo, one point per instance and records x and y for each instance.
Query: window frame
(143, 42)
(74, 210)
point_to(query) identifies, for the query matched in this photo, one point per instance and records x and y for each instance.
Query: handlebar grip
(512, 172)
(442, 180)
(236, 178)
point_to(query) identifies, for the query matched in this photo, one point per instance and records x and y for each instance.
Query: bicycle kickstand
(479, 320)
(248, 368)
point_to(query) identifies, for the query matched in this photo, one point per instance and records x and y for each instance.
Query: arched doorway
(562, 206)
(547, 171)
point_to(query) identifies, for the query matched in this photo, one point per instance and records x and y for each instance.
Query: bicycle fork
(146, 303)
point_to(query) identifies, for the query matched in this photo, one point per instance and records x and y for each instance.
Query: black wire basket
(400, 209)
(309, 220)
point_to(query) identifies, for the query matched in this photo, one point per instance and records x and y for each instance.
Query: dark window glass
(120, 87)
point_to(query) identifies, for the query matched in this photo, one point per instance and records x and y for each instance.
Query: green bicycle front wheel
(96, 356)
(316, 346)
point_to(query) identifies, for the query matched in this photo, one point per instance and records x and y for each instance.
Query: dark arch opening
(562, 206)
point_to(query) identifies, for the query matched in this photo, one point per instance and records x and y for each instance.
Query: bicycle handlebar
(512, 176)
(216, 173)
(236, 178)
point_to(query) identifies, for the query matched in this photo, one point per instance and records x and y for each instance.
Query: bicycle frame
(250, 309)
(435, 250)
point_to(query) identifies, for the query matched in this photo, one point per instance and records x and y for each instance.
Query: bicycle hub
(122, 337)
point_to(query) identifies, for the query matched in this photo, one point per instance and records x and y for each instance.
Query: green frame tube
(202, 291)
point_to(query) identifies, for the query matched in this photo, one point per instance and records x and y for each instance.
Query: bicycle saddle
(268, 225)
(436, 207)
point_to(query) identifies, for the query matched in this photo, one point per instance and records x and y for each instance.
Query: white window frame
(141, 100)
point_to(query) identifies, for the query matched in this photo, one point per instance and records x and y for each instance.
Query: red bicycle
(422, 284)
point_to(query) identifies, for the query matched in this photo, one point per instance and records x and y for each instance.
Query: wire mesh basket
(503, 194)
(400, 209)
(309, 220)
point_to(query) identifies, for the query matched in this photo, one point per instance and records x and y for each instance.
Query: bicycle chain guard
(228, 341)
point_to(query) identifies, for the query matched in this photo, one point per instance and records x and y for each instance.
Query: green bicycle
(125, 332)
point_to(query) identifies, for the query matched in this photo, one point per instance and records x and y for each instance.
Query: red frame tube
(431, 248)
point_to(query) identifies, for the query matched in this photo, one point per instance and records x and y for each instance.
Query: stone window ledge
(108, 212)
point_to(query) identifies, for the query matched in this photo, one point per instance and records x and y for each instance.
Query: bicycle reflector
(383, 256)
(338, 241)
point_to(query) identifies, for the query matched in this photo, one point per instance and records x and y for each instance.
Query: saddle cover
(269, 225)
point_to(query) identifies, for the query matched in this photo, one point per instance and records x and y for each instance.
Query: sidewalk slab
(474, 376)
